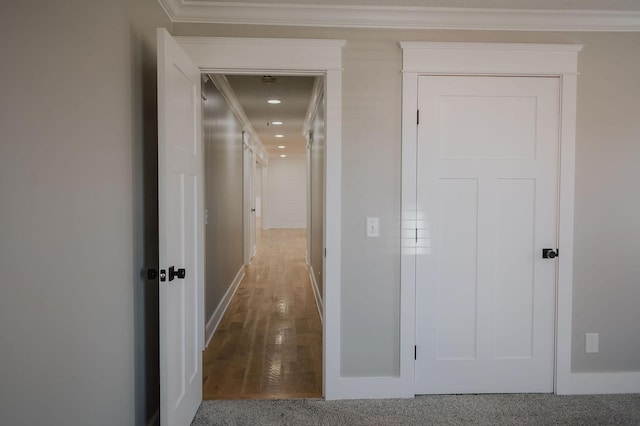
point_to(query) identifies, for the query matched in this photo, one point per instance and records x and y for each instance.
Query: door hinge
(415, 352)
(325, 252)
(418, 117)
(416, 235)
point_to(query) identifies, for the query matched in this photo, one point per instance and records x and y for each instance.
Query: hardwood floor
(269, 342)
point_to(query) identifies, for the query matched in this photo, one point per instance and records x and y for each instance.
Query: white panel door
(487, 191)
(181, 234)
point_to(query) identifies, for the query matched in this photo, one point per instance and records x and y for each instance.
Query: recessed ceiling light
(279, 136)
(283, 155)
(281, 146)
(274, 101)
(277, 123)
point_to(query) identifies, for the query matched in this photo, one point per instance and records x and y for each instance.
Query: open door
(180, 201)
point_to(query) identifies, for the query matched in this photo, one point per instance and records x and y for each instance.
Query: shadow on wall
(145, 201)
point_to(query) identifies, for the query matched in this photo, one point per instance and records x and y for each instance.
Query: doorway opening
(264, 236)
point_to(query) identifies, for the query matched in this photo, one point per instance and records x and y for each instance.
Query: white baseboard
(369, 388)
(600, 383)
(214, 321)
(316, 292)
(155, 419)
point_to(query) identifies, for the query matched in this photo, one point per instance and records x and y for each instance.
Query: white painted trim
(401, 17)
(312, 57)
(276, 55)
(498, 59)
(601, 383)
(312, 108)
(409, 211)
(564, 291)
(216, 317)
(307, 136)
(332, 265)
(490, 58)
(247, 202)
(316, 290)
(371, 388)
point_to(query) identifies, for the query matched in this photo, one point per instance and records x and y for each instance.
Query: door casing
(258, 56)
(497, 59)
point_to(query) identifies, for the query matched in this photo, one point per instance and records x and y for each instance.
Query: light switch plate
(373, 227)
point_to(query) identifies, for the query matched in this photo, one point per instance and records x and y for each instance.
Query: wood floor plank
(269, 342)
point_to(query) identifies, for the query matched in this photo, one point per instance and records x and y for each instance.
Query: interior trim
(493, 59)
(302, 57)
(442, 18)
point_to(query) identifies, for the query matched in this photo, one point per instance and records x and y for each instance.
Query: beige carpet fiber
(511, 409)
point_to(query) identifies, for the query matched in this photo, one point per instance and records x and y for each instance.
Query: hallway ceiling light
(281, 146)
(274, 101)
(283, 155)
(279, 136)
(277, 123)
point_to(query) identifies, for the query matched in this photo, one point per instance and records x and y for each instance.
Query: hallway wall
(223, 181)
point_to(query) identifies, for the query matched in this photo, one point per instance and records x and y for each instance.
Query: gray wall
(77, 86)
(223, 152)
(607, 231)
(316, 175)
(76, 119)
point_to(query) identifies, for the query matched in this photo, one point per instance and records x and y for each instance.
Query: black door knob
(177, 273)
(548, 253)
(152, 274)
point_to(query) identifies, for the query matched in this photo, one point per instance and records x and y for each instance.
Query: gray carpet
(512, 409)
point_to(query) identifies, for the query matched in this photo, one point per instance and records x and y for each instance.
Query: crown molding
(318, 15)
(227, 92)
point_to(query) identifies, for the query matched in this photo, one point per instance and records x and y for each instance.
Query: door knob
(548, 253)
(177, 273)
(253, 210)
(152, 274)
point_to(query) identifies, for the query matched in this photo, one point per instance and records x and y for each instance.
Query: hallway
(269, 342)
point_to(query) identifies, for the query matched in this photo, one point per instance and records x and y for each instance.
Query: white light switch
(373, 227)
(591, 343)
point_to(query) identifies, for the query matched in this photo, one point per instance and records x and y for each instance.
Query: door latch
(548, 253)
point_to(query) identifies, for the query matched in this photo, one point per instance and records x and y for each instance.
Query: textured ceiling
(293, 91)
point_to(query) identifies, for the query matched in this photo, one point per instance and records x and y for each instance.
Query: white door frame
(500, 59)
(298, 57)
(248, 199)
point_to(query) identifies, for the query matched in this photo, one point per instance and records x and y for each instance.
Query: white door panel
(487, 190)
(180, 233)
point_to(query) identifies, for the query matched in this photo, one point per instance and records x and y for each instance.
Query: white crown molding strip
(307, 15)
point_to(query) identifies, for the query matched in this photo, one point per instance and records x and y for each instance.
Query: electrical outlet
(591, 343)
